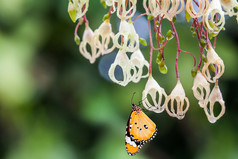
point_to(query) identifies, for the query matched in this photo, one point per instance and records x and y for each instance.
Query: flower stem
(194, 59)
(151, 47)
(139, 16)
(198, 30)
(178, 50)
(77, 27)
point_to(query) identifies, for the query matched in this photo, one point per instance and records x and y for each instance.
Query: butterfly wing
(140, 129)
(143, 128)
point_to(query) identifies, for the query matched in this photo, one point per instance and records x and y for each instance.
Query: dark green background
(55, 105)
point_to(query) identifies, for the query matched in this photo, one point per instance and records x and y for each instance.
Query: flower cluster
(208, 19)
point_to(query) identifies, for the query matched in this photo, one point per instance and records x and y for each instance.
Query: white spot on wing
(128, 140)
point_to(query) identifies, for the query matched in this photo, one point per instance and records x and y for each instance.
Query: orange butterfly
(140, 129)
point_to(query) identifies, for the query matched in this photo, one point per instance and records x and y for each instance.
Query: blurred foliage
(55, 105)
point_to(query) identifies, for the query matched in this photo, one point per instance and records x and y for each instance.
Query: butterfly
(139, 130)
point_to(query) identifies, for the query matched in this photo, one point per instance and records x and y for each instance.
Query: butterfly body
(140, 129)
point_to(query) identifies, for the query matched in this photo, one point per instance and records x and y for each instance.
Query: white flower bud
(122, 11)
(129, 38)
(202, 9)
(179, 103)
(214, 97)
(88, 39)
(213, 58)
(103, 37)
(201, 89)
(209, 19)
(126, 66)
(157, 95)
(139, 62)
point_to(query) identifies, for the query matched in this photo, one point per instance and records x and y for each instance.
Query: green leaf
(203, 43)
(174, 19)
(212, 68)
(194, 71)
(150, 17)
(212, 25)
(72, 11)
(77, 39)
(159, 58)
(103, 3)
(194, 34)
(105, 17)
(204, 58)
(161, 39)
(187, 16)
(143, 41)
(169, 35)
(163, 68)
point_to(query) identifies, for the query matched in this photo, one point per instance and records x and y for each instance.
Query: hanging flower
(122, 11)
(155, 7)
(202, 9)
(180, 107)
(139, 62)
(214, 97)
(77, 8)
(175, 7)
(89, 39)
(157, 95)
(213, 59)
(214, 19)
(126, 66)
(228, 6)
(103, 37)
(200, 85)
(127, 36)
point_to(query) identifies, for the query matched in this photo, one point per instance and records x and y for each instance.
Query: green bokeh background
(55, 105)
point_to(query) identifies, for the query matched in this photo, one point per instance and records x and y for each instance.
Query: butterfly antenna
(132, 97)
(140, 102)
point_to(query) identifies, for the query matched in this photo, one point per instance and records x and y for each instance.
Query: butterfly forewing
(142, 127)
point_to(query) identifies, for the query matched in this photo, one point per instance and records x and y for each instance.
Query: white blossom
(201, 89)
(213, 58)
(157, 94)
(103, 37)
(179, 103)
(89, 39)
(122, 12)
(127, 67)
(139, 62)
(127, 36)
(213, 24)
(175, 7)
(214, 97)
